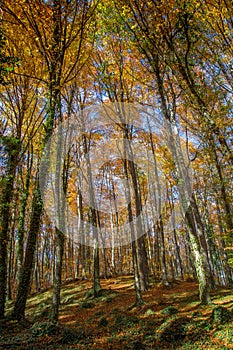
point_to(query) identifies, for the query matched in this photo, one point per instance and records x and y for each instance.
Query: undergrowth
(169, 319)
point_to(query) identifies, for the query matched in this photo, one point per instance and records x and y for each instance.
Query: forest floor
(169, 319)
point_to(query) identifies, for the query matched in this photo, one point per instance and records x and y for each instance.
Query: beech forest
(116, 185)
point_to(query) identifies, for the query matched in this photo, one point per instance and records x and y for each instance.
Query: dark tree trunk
(178, 254)
(11, 146)
(57, 276)
(141, 250)
(139, 299)
(163, 254)
(25, 276)
(20, 250)
(94, 221)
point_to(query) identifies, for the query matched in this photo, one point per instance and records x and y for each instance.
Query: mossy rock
(173, 330)
(44, 328)
(221, 315)
(170, 310)
(71, 336)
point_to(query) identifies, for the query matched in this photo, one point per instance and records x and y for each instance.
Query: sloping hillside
(170, 319)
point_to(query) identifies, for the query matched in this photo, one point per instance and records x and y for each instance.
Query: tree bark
(25, 276)
(12, 148)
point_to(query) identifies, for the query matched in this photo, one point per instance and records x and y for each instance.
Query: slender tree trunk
(192, 217)
(94, 220)
(82, 247)
(61, 183)
(200, 261)
(141, 251)
(227, 269)
(203, 240)
(163, 254)
(96, 277)
(158, 206)
(139, 299)
(57, 276)
(12, 147)
(9, 268)
(20, 243)
(225, 198)
(105, 269)
(178, 254)
(37, 277)
(25, 277)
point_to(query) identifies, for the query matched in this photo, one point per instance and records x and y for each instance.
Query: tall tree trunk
(10, 260)
(227, 269)
(139, 299)
(186, 195)
(25, 276)
(37, 277)
(61, 183)
(199, 260)
(141, 250)
(57, 275)
(163, 253)
(224, 197)
(158, 208)
(94, 221)
(12, 148)
(178, 254)
(96, 276)
(20, 233)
